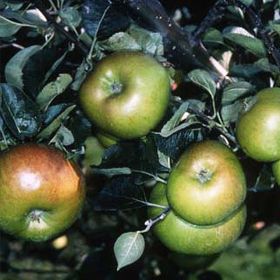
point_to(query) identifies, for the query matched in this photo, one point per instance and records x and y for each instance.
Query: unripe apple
(181, 236)
(106, 140)
(207, 184)
(126, 95)
(41, 192)
(205, 193)
(258, 129)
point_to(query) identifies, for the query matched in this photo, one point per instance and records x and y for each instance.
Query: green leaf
(213, 36)
(243, 38)
(203, 79)
(235, 91)
(111, 172)
(19, 112)
(55, 124)
(7, 28)
(164, 159)
(80, 75)
(135, 39)
(175, 120)
(52, 90)
(230, 113)
(14, 67)
(94, 152)
(70, 16)
(265, 180)
(128, 248)
(120, 41)
(64, 136)
(150, 42)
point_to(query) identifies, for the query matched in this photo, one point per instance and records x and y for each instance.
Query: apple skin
(258, 129)
(207, 184)
(41, 192)
(192, 262)
(106, 140)
(126, 95)
(182, 237)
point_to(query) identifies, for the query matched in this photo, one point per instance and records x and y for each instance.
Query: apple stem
(149, 223)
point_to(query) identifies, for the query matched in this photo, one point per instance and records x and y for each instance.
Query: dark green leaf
(231, 112)
(203, 79)
(14, 67)
(55, 124)
(235, 91)
(241, 37)
(19, 112)
(52, 90)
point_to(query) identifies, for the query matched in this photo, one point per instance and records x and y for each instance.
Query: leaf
(128, 248)
(93, 152)
(52, 90)
(265, 180)
(63, 136)
(164, 160)
(203, 79)
(243, 38)
(150, 42)
(120, 41)
(55, 124)
(19, 112)
(80, 75)
(70, 16)
(120, 192)
(7, 28)
(110, 172)
(213, 36)
(231, 112)
(34, 77)
(114, 20)
(175, 120)
(14, 67)
(235, 91)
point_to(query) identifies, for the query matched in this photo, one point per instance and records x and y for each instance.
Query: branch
(151, 222)
(209, 120)
(59, 27)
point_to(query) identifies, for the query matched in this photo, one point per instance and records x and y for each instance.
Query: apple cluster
(205, 192)
(258, 129)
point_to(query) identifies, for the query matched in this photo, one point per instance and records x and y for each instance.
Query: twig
(42, 8)
(151, 222)
(209, 120)
(256, 21)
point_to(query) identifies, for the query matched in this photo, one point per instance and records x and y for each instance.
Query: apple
(126, 95)
(180, 236)
(41, 191)
(106, 140)
(207, 183)
(258, 129)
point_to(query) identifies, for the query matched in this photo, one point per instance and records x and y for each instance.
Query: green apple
(207, 184)
(41, 192)
(183, 237)
(106, 140)
(192, 262)
(127, 94)
(258, 129)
